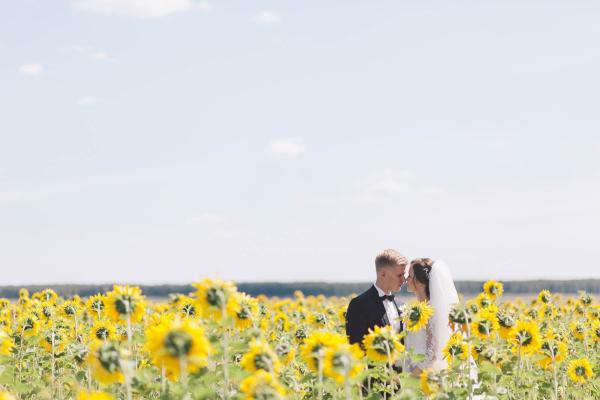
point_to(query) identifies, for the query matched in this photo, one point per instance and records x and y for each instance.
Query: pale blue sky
(167, 140)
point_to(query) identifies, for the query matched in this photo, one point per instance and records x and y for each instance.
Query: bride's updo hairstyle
(421, 270)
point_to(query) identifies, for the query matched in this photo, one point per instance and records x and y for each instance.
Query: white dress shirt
(390, 309)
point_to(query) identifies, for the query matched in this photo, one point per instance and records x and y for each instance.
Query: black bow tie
(389, 297)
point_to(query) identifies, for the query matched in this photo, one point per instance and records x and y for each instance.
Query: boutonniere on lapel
(401, 310)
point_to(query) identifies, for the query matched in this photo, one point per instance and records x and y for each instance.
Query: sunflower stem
(320, 374)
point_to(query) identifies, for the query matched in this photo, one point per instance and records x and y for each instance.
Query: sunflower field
(219, 343)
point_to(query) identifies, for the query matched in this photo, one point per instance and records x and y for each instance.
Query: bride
(431, 281)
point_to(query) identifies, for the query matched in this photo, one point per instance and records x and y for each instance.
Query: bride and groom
(430, 281)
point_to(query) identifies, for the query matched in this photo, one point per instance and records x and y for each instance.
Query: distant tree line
(286, 289)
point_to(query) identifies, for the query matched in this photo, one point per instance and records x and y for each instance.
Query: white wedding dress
(431, 341)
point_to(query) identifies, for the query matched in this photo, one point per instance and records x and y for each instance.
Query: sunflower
(596, 331)
(554, 351)
(54, 341)
(6, 343)
(483, 300)
(103, 330)
(580, 370)
(493, 289)
(260, 356)
(6, 395)
(187, 307)
(506, 323)
(213, 297)
(262, 385)
(174, 343)
(48, 295)
(525, 337)
(47, 311)
(486, 324)
(285, 352)
(416, 315)
(342, 362)
(69, 309)
(456, 348)
(318, 320)
(429, 382)
(578, 329)
(544, 296)
(547, 312)
(594, 312)
(314, 347)
(300, 334)
(245, 312)
(459, 316)
(85, 395)
(104, 360)
(29, 326)
(125, 302)
(281, 322)
(585, 298)
(382, 344)
(95, 305)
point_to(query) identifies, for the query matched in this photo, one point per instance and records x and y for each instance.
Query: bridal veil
(443, 295)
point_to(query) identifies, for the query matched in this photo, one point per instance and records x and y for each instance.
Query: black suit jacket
(365, 312)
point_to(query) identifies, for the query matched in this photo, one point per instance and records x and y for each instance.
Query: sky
(165, 141)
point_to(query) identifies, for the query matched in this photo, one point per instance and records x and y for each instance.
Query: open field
(219, 343)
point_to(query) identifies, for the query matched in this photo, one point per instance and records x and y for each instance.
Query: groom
(376, 306)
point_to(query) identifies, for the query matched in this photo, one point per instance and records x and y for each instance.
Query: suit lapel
(380, 315)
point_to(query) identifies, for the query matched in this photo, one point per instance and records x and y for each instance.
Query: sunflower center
(415, 315)
(379, 344)
(98, 305)
(123, 305)
(341, 361)
(244, 313)
(263, 361)
(215, 297)
(189, 309)
(552, 350)
(484, 327)
(178, 343)
(525, 338)
(28, 325)
(506, 321)
(301, 334)
(456, 350)
(102, 333)
(108, 356)
(580, 371)
(70, 310)
(51, 336)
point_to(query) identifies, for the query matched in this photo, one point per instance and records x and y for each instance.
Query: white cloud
(206, 219)
(268, 17)
(204, 6)
(140, 8)
(100, 56)
(288, 147)
(17, 195)
(90, 53)
(88, 100)
(33, 70)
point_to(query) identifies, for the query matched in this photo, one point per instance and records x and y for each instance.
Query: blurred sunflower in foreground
(383, 345)
(177, 346)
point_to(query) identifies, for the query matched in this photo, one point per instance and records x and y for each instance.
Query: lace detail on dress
(430, 347)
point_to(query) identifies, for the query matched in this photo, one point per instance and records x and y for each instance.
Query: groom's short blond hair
(389, 258)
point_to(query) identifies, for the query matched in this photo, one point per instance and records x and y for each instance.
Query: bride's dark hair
(421, 269)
